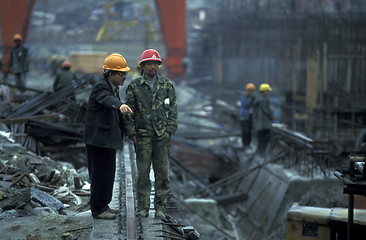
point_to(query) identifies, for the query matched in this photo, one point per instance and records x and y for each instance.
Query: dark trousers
(20, 80)
(102, 168)
(246, 131)
(263, 137)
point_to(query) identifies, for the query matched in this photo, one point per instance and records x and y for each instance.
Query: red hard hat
(66, 64)
(150, 55)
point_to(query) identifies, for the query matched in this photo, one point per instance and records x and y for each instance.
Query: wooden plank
(24, 119)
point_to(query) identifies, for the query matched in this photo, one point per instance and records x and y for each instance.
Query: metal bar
(350, 216)
(172, 233)
(130, 200)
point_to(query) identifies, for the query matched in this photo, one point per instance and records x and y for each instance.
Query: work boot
(115, 211)
(159, 214)
(107, 215)
(142, 213)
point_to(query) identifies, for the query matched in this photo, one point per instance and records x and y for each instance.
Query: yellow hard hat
(265, 87)
(116, 62)
(17, 37)
(250, 86)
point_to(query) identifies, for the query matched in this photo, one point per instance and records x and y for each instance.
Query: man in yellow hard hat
(246, 114)
(54, 65)
(18, 63)
(263, 117)
(104, 131)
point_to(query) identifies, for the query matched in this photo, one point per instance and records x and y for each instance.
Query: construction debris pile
(50, 123)
(227, 192)
(224, 191)
(30, 183)
(54, 187)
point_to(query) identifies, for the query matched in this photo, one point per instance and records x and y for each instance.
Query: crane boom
(172, 15)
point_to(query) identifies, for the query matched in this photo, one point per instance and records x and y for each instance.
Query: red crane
(172, 14)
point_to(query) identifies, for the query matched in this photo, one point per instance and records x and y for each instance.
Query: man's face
(18, 42)
(250, 92)
(118, 78)
(151, 67)
(265, 93)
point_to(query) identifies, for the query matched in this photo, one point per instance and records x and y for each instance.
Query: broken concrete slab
(46, 199)
(13, 198)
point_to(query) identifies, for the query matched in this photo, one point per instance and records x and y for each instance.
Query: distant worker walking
(153, 102)
(104, 131)
(246, 114)
(263, 117)
(64, 78)
(18, 63)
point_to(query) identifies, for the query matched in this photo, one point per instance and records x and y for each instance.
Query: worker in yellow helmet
(263, 117)
(54, 65)
(18, 63)
(246, 103)
(104, 131)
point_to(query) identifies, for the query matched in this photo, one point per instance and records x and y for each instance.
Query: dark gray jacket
(263, 116)
(18, 60)
(104, 122)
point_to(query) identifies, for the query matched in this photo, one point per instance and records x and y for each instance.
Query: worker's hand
(125, 109)
(133, 138)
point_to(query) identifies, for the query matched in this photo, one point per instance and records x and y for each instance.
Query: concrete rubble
(221, 190)
(227, 192)
(36, 188)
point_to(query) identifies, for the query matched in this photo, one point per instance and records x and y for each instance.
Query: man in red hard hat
(18, 63)
(64, 78)
(246, 114)
(154, 119)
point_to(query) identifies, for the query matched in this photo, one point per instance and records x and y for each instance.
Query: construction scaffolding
(312, 52)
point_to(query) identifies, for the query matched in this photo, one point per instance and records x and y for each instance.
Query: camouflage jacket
(149, 112)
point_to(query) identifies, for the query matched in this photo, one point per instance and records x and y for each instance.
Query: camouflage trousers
(152, 151)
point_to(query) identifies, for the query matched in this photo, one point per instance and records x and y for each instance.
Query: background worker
(246, 114)
(263, 117)
(18, 63)
(150, 127)
(104, 131)
(65, 77)
(54, 65)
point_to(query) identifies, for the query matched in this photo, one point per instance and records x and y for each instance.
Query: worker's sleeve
(130, 118)
(266, 108)
(10, 62)
(105, 97)
(57, 80)
(173, 111)
(26, 60)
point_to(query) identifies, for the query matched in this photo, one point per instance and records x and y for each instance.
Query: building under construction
(312, 52)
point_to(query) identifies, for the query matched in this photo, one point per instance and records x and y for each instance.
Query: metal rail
(130, 200)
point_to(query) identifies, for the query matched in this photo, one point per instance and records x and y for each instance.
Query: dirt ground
(48, 226)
